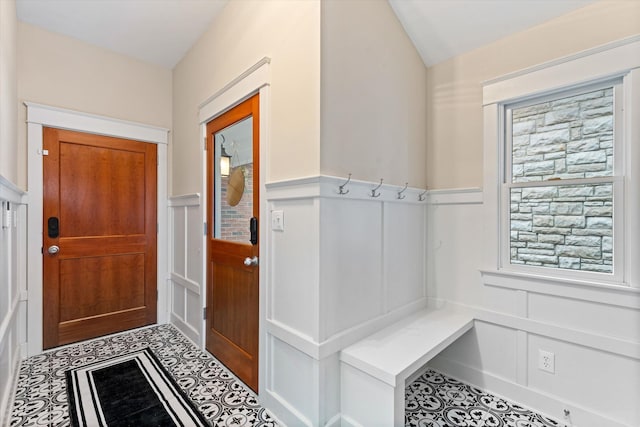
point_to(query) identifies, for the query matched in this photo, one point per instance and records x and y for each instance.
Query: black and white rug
(41, 397)
(132, 389)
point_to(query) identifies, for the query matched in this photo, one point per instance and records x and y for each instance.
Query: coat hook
(373, 191)
(400, 195)
(341, 187)
(421, 196)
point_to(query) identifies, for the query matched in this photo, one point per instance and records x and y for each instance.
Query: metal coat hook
(400, 195)
(341, 187)
(421, 196)
(373, 191)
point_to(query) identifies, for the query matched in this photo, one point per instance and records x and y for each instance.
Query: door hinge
(204, 313)
(205, 228)
(43, 152)
(157, 227)
(204, 143)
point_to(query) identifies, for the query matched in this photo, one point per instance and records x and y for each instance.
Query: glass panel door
(233, 193)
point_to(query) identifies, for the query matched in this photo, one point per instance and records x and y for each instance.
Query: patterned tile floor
(41, 398)
(433, 400)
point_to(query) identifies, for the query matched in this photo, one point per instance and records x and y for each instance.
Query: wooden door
(100, 211)
(232, 271)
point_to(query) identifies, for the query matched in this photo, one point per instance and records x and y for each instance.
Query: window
(562, 172)
(561, 176)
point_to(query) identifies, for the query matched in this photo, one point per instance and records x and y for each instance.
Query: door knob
(251, 261)
(53, 249)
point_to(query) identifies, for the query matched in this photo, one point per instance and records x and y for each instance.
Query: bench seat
(375, 369)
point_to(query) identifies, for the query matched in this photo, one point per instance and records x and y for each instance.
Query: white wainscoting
(344, 267)
(13, 319)
(593, 332)
(185, 265)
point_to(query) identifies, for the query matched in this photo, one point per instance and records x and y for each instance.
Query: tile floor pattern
(433, 400)
(41, 398)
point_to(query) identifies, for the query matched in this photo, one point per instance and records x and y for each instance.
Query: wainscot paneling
(185, 265)
(594, 332)
(344, 266)
(13, 320)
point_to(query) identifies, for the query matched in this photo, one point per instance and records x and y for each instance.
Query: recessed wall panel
(293, 376)
(194, 312)
(351, 263)
(603, 382)
(603, 319)
(293, 291)
(487, 347)
(404, 253)
(177, 302)
(178, 240)
(193, 244)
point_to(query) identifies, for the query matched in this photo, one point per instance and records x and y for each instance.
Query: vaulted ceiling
(161, 32)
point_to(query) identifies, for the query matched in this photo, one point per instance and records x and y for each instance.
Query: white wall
(8, 90)
(241, 35)
(373, 95)
(594, 333)
(81, 77)
(12, 289)
(454, 119)
(12, 234)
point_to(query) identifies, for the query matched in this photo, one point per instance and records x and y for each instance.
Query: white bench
(373, 371)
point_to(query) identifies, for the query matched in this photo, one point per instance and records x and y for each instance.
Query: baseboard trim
(8, 396)
(9, 319)
(285, 414)
(546, 404)
(335, 421)
(346, 421)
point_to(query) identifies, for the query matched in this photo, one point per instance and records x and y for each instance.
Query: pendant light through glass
(225, 162)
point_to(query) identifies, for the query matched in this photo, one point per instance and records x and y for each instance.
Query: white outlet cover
(546, 361)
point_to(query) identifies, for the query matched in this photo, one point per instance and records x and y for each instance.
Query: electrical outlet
(546, 361)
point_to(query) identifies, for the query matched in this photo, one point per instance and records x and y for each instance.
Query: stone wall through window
(560, 225)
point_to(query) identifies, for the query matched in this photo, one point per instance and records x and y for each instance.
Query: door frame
(256, 79)
(39, 116)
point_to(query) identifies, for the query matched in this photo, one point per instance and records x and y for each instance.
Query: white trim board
(329, 186)
(10, 192)
(46, 115)
(39, 116)
(600, 63)
(185, 200)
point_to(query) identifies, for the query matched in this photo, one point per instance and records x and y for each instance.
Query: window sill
(618, 294)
